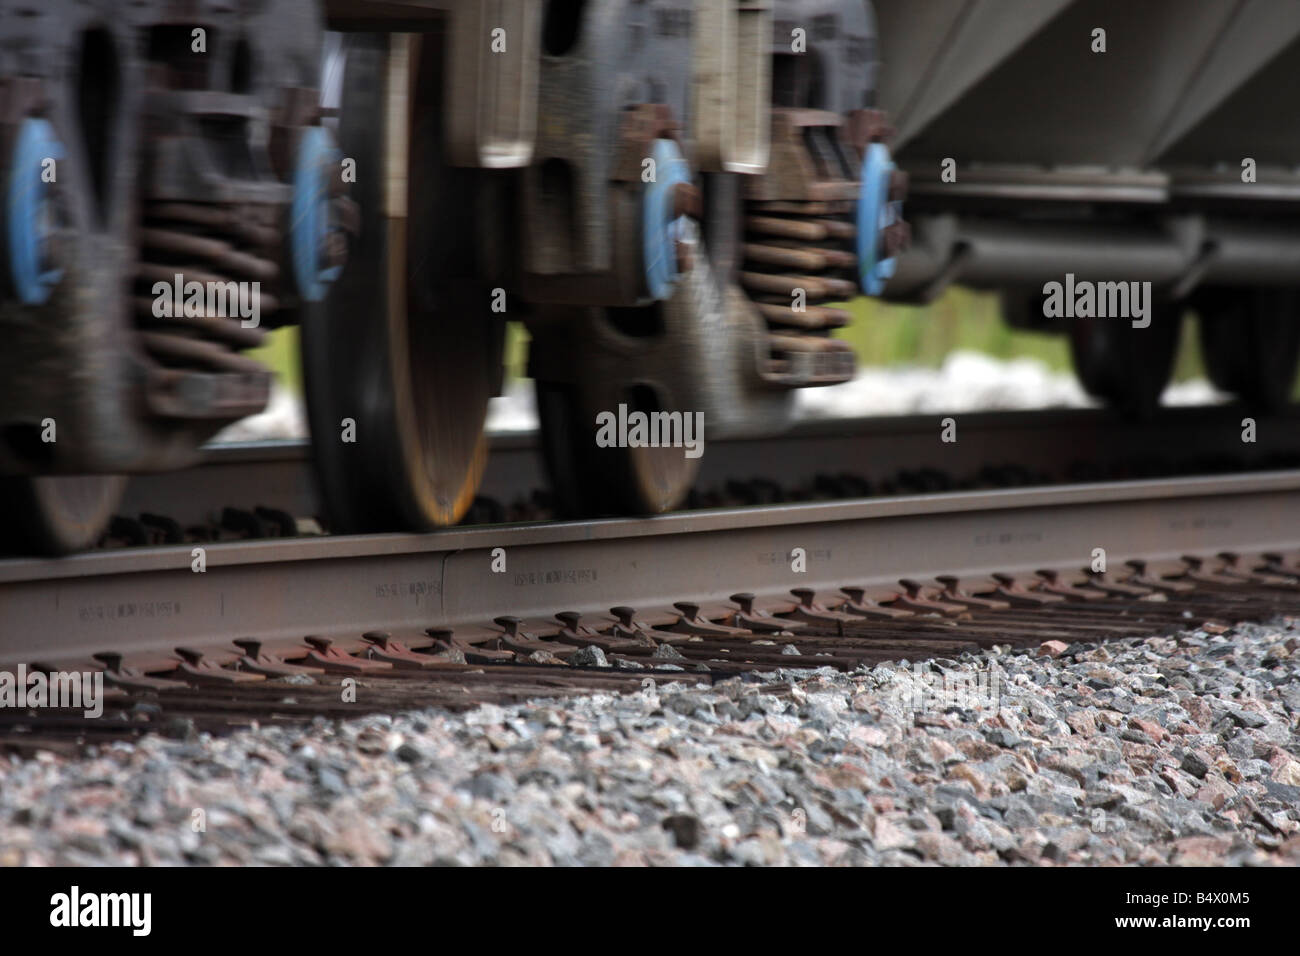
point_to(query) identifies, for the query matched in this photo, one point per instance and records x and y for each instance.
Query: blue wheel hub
(30, 212)
(875, 214)
(310, 225)
(660, 230)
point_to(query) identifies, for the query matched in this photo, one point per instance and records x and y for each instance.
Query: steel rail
(146, 601)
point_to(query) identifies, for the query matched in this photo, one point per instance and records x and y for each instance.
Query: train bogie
(149, 154)
(763, 229)
(622, 235)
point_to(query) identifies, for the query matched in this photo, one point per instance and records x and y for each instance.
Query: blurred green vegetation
(881, 334)
(885, 334)
(280, 354)
(517, 339)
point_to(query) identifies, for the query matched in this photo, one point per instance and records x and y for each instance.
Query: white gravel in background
(514, 411)
(285, 418)
(967, 381)
(1181, 751)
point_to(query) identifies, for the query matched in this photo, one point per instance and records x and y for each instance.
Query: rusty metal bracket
(1052, 584)
(1013, 591)
(255, 661)
(629, 627)
(445, 641)
(384, 648)
(863, 606)
(759, 621)
(581, 635)
(1099, 580)
(1196, 572)
(523, 642)
(692, 623)
(809, 610)
(120, 675)
(639, 127)
(811, 160)
(197, 669)
(864, 127)
(1272, 579)
(1277, 563)
(913, 598)
(1158, 583)
(325, 655)
(954, 594)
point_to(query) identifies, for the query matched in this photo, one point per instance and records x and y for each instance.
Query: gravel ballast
(1180, 750)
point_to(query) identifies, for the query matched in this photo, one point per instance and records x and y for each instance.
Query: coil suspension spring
(223, 247)
(801, 248)
(797, 256)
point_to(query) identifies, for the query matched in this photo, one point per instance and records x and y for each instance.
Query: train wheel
(590, 480)
(57, 514)
(1251, 342)
(401, 360)
(44, 514)
(1127, 367)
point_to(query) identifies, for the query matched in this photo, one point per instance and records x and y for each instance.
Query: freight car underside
(1113, 140)
(1177, 251)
